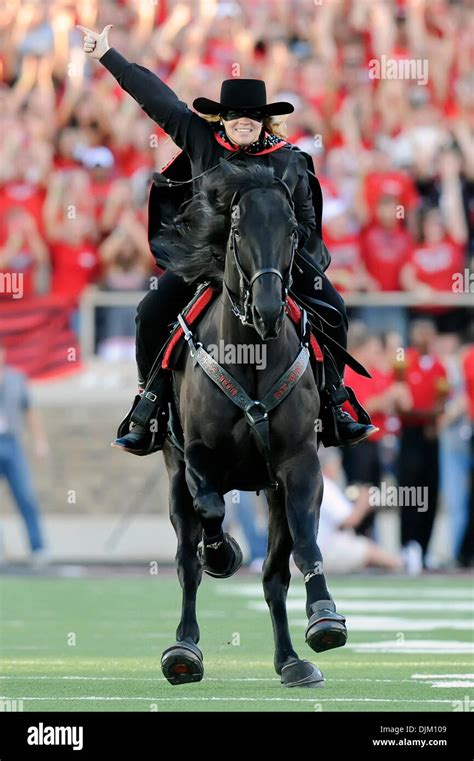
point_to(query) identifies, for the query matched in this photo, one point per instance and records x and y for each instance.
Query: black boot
(144, 429)
(339, 427)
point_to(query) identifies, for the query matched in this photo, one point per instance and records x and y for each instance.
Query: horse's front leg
(182, 662)
(303, 490)
(276, 580)
(221, 555)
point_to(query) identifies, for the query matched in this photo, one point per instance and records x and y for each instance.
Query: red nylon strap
(294, 313)
(196, 310)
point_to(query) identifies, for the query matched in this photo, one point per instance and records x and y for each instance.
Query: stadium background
(76, 157)
(75, 163)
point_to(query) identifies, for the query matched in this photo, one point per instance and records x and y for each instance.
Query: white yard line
(315, 699)
(413, 646)
(160, 678)
(395, 624)
(442, 676)
(366, 591)
(381, 606)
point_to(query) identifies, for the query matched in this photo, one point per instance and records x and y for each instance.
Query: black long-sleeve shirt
(196, 136)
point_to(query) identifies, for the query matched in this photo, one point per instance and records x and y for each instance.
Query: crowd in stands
(393, 154)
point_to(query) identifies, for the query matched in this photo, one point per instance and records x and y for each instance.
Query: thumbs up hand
(95, 44)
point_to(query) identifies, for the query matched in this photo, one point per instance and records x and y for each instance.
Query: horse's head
(261, 247)
(246, 213)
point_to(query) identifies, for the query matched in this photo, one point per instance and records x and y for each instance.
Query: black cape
(164, 203)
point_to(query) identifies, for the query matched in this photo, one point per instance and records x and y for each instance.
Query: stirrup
(335, 397)
(156, 438)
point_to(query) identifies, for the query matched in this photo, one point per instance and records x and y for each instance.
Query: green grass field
(95, 645)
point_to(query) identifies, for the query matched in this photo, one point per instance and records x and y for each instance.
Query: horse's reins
(256, 411)
(160, 179)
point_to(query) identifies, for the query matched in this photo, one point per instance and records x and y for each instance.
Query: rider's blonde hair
(275, 125)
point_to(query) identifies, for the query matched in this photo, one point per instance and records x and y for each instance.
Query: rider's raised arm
(159, 102)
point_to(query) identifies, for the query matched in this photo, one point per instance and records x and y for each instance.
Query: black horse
(240, 233)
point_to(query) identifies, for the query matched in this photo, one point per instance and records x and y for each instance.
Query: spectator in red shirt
(347, 273)
(468, 365)
(100, 161)
(418, 476)
(72, 234)
(439, 255)
(22, 249)
(382, 181)
(19, 192)
(75, 262)
(385, 247)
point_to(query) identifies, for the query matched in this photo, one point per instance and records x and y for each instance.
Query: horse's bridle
(246, 283)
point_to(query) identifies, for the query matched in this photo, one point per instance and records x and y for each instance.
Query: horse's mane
(196, 239)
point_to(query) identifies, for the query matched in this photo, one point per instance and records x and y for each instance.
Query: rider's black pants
(160, 308)
(155, 314)
(314, 284)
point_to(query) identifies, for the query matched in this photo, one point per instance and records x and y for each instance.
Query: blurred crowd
(422, 400)
(393, 155)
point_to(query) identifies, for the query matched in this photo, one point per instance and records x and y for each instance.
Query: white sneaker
(412, 556)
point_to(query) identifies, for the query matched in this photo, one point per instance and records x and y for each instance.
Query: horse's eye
(237, 233)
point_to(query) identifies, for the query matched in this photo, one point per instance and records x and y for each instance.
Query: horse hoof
(326, 631)
(233, 565)
(301, 674)
(182, 663)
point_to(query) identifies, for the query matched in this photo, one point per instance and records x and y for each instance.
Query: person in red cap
(238, 127)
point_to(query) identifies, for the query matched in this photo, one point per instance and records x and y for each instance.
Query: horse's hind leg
(182, 662)
(221, 555)
(303, 490)
(276, 580)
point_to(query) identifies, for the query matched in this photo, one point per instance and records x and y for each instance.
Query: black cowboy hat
(242, 95)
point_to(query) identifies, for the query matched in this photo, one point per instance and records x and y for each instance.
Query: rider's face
(243, 130)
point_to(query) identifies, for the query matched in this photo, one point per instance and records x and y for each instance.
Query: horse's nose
(267, 320)
(267, 305)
